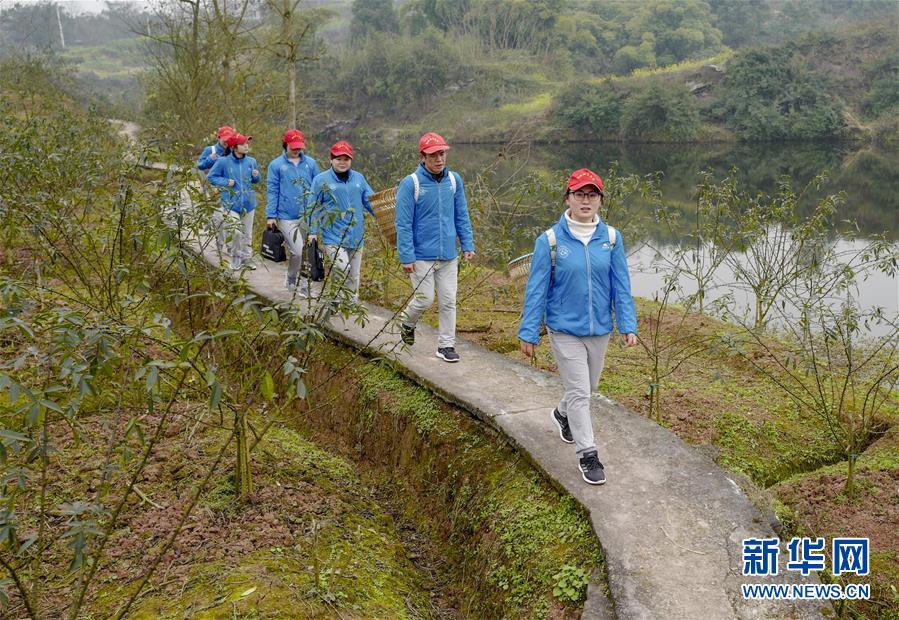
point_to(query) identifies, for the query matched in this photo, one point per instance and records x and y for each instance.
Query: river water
(868, 174)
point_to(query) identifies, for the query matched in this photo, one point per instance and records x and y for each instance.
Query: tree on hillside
(660, 112)
(199, 58)
(741, 22)
(292, 32)
(30, 26)
(770, 94)
(373, 16)
(497, 24)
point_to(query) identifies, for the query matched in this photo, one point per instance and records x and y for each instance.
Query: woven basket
(520, 268)
(384, 205)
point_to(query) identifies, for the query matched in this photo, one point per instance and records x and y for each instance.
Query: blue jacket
(427, 229)
(289, 188)
(338, 208)
(590, 282)
(205, 162)
(240, 198)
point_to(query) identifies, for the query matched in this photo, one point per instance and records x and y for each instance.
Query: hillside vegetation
(169, 444)
(491, 70)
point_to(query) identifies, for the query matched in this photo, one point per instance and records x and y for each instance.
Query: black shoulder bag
(273, 245)
(313, 262)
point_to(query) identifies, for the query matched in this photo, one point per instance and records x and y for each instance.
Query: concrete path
(670, 521)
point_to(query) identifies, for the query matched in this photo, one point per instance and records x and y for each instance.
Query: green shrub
(387, 69)
(769, 94)
(593, 109)
(883, 93)
(660, 112)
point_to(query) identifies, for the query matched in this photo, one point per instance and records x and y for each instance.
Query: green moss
(771, 450)
(415, 403)
(518, 532)
(876, 459)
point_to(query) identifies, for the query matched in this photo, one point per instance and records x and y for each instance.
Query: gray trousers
(346, 272)
(444, 275)
(294, 232)
(580, 360)
(219, 229)
(241, 228)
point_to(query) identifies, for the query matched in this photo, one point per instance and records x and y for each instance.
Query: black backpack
(313, 262)
(273, 245)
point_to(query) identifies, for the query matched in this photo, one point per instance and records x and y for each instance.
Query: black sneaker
(564, 429)
(448, 354)
(407, 333)
(591, 468)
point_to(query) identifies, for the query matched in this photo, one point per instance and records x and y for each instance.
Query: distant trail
(126, 128)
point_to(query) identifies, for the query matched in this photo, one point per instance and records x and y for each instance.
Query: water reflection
(868, 174)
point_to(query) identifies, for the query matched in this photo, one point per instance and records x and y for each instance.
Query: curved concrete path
(670, 521)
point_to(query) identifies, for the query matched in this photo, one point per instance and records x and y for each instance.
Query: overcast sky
(71, 6)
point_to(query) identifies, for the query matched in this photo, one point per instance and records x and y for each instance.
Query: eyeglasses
(590, 196)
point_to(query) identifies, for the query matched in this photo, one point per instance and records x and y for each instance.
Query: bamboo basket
(383, 203)
(520, 268)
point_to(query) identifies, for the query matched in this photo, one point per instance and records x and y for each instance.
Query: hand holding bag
(273, 245)
(313, 262)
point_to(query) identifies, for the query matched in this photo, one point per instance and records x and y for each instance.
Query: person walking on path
(340, 195)
(289, 196)
(579, 279)
(431, 213)
(236, 174)
(213, 152)
(206, 160)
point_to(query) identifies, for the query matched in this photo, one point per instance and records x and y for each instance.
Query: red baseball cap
(294, 139)
(224, 131)
(431, 143)
(238, 138)
(342, 147)
(582, 177)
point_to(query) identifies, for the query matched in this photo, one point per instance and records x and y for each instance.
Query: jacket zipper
(440, 216)
(589, 284)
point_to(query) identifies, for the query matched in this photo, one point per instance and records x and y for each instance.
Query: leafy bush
(388, 69)
(884, 90)
(660, 112)
(593, 109)
(769, 94)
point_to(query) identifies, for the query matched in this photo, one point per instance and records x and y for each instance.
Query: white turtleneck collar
(583, 232)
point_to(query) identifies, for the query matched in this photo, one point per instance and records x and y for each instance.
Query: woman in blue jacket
(236, 174)
(579, 277)
(340, 196)
(288, 193)
(212, 152)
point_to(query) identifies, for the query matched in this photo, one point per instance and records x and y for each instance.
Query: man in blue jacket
(236, 174)
(289, 199)
(431, 213)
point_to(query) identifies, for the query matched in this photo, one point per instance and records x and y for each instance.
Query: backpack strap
(613, 237)
(551, 237)
(417, 183)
